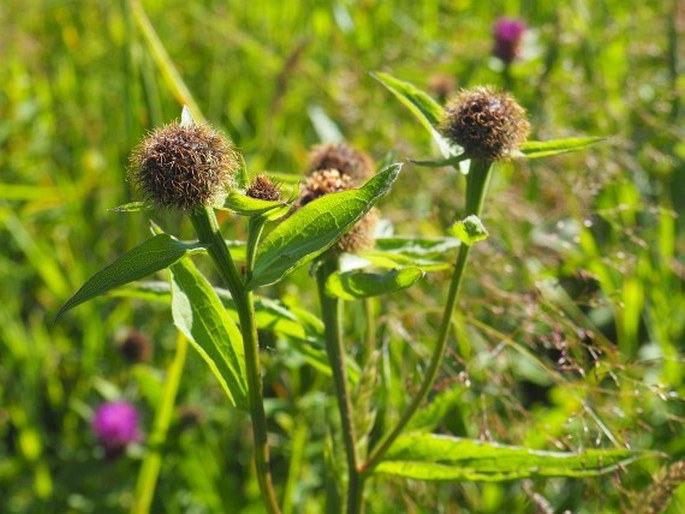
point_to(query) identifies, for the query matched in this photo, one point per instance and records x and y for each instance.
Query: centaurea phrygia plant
(192, 168)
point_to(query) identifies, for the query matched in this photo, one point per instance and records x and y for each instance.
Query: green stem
(207, 228)
(299, 446)
(149, 471)
(331, 311)
(476, 186)
(370, 313)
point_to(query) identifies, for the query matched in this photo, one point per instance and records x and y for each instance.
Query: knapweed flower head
(349, 161)
(323, 182)
(263, 188)
(347, 167)
(116, 425)
(184, 166)
(488, 124)
(508, 34)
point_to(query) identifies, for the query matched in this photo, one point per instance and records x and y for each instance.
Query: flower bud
(489, 125)
(263, 188)
(135, 347)
(349, 161)
(115, 425)
(508, 33)
(184, 166)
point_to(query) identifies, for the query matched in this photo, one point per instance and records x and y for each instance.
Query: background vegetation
(572, 324)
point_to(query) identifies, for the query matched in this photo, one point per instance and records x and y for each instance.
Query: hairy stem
(476, 186)
(331, 310)
(207, 228)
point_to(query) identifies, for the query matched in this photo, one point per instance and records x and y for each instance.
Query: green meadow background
(571, 324)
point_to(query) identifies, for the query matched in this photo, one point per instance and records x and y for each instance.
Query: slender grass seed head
(263, 188)
(349, 161)
(184, 166)
(488, 124)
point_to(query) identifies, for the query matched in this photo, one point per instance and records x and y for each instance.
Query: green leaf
(393, 261)
(155, 254)
(425, 456)
(248, 206)
(427, 111)
(199, 314)
(269, 314)
(315, 227)
(133, 207)
(426, 247)
(444, 403)
(537, 149)
(470, 230)
(355, 285)
(427, 254)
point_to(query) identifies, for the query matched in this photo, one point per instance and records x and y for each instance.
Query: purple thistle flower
(508, 33)
(115, 425)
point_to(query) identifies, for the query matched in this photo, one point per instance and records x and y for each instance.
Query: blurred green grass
(79, 87)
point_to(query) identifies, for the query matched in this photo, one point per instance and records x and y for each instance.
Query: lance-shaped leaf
(247, 206)
(316, 227)
(427, 111)
(199, 314)
(537, 149)
(356, 285)
(428, 254)
(155, 254)
(421, 247)
(425, 456)
(269, 314)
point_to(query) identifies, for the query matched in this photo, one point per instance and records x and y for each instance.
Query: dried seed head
(323, 182)
(263, 188)
(361, 236)
(184, 166)
(349, 161)
(488, 124)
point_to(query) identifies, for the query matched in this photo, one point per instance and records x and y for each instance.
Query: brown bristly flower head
(263, 188)
(184, 166)
(349, 161)
(488, 124)
(323, 182)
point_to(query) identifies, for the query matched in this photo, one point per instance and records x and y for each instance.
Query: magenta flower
(115, 425)
(508, 33)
